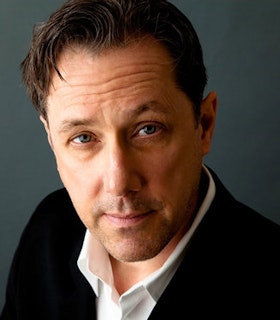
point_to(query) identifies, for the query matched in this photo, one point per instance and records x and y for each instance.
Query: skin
(129, 150)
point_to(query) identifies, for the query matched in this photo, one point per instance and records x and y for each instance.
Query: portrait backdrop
(241, 43)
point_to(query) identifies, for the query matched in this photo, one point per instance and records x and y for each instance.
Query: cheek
(80, 179)
(82, 188)
(177, 172)
(181, 157)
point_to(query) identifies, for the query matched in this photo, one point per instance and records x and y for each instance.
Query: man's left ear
(208, 113)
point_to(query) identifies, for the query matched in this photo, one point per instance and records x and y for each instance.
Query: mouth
(127, 220)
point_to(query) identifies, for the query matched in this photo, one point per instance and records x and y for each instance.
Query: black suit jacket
(231, 268)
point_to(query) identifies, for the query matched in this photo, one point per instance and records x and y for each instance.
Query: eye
(83, 138)
(148, 129)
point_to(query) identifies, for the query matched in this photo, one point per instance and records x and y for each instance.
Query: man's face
(127, 145)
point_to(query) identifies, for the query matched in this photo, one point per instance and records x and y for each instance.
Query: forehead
(118, 79)
(139, 55)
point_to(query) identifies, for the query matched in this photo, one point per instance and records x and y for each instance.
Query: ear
(208, 113)
(46, 125)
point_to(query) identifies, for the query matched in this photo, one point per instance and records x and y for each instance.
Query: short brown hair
(107, 24)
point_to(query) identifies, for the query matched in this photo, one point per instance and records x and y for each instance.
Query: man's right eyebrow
(70, 124)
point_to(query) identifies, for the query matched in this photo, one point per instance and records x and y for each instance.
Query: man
(143, 229)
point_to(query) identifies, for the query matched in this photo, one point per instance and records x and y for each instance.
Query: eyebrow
(69, 124)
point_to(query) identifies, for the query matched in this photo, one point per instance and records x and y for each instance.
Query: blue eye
(83, 138)
(147, 130)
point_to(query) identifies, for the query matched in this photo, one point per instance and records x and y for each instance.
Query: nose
(121, 171)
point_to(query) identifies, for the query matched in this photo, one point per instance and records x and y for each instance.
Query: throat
(127, 274)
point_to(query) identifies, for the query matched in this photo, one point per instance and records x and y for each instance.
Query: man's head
(100, 25)
(120, 119)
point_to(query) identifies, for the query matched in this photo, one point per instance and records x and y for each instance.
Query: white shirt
(138, 302)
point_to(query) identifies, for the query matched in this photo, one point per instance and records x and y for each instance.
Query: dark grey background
(241, 41)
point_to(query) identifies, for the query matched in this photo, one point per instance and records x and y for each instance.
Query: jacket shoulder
(44, 281)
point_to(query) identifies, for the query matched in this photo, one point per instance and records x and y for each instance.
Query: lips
(126, 220)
